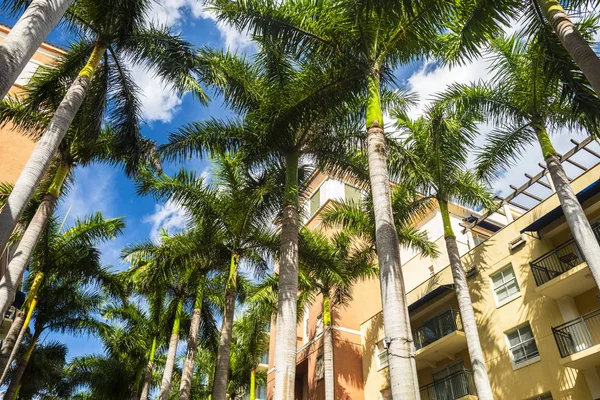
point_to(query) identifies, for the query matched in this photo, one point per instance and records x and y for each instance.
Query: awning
(437, 292)
(557, 213)
(484, 224)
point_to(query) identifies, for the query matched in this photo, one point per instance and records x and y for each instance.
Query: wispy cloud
(169, 216)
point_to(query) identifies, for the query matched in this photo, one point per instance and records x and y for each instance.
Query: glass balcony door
(448, 383)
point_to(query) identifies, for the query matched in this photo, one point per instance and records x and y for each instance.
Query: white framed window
(522, 344)
(320, 370)
(261, 393)
(385, 394)
(305, 324)
(505, 285)
(382, 355)
(543, 396)
(479, 238)
(319, 325)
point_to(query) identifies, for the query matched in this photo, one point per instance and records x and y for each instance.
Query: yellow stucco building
(536, 303)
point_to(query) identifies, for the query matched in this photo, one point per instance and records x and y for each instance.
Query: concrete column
(567, 308)
(507, 214)
(593, 382)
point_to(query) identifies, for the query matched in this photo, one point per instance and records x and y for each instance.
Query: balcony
(263, 365)
(459, 385)
(439, 338)
(562, 272)
(578, 341)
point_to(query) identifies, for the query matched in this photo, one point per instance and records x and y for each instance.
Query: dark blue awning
(484, 224)
(557, 213)
(438, 291)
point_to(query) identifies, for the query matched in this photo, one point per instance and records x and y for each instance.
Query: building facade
(536, 303)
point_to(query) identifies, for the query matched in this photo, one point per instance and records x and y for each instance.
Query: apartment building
(536, 304)
(15, 148)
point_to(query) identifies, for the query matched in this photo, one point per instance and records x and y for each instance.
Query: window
(261, 393)
(320, 370)
(385, 394)
(478, 238)
(351, 194)
(315, 202)
(319, 325)
(27, 73)
(264, 358)
(544, 396)
(505, 285)
(382, 356)
(522, 344)
(306, 324)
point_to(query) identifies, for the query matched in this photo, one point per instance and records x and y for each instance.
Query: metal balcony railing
(557, 262)
(436, 328)
(454, 386)
(578, 334)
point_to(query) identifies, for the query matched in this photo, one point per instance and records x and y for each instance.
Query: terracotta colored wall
(15, 148)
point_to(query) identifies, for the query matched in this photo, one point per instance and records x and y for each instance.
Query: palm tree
(240, 203)
(44, 377)
(71, 254)
(528, 99)
(173, 266)
(291, 111)
(251, 341)
(334, 265)
(24, 39)
(370, 39)
(439, 145)
(473, 26)
(114, 31)
(71, 310)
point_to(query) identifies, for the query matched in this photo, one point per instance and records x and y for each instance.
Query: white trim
(309, 343)
(271, 370)
(509, 298)
(341, 328)
(526, 363)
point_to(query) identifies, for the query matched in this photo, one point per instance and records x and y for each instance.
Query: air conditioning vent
(516, 242)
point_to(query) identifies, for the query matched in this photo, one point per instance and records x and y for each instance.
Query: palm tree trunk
(402, 368)
(328, 349)
(148, 374)
(581, 51)
(30, 305)
(18, 263)
(219, 390)
(15, 381)
(285, 336)
(578, 223)
(465, 306)
(46, 147)
(252, 395)
(171, 353)
(192, 345)
(8, 344)
(26, 37)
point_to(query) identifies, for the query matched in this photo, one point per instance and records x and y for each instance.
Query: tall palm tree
(45, 377)
(334, 265)
(113, 31)
(72, 253)
(439, 145)
(291, 111)
(473, 25)
(251, 342)
(24, 39)
(173, 266)
(528, 99)
(240, 203)
(370, 39)
(77, 148)
(71, 310)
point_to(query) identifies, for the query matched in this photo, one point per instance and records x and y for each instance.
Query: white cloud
(159, 101)
(169, 216)
(92, 192)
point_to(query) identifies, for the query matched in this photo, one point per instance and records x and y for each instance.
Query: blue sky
(102, 188)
